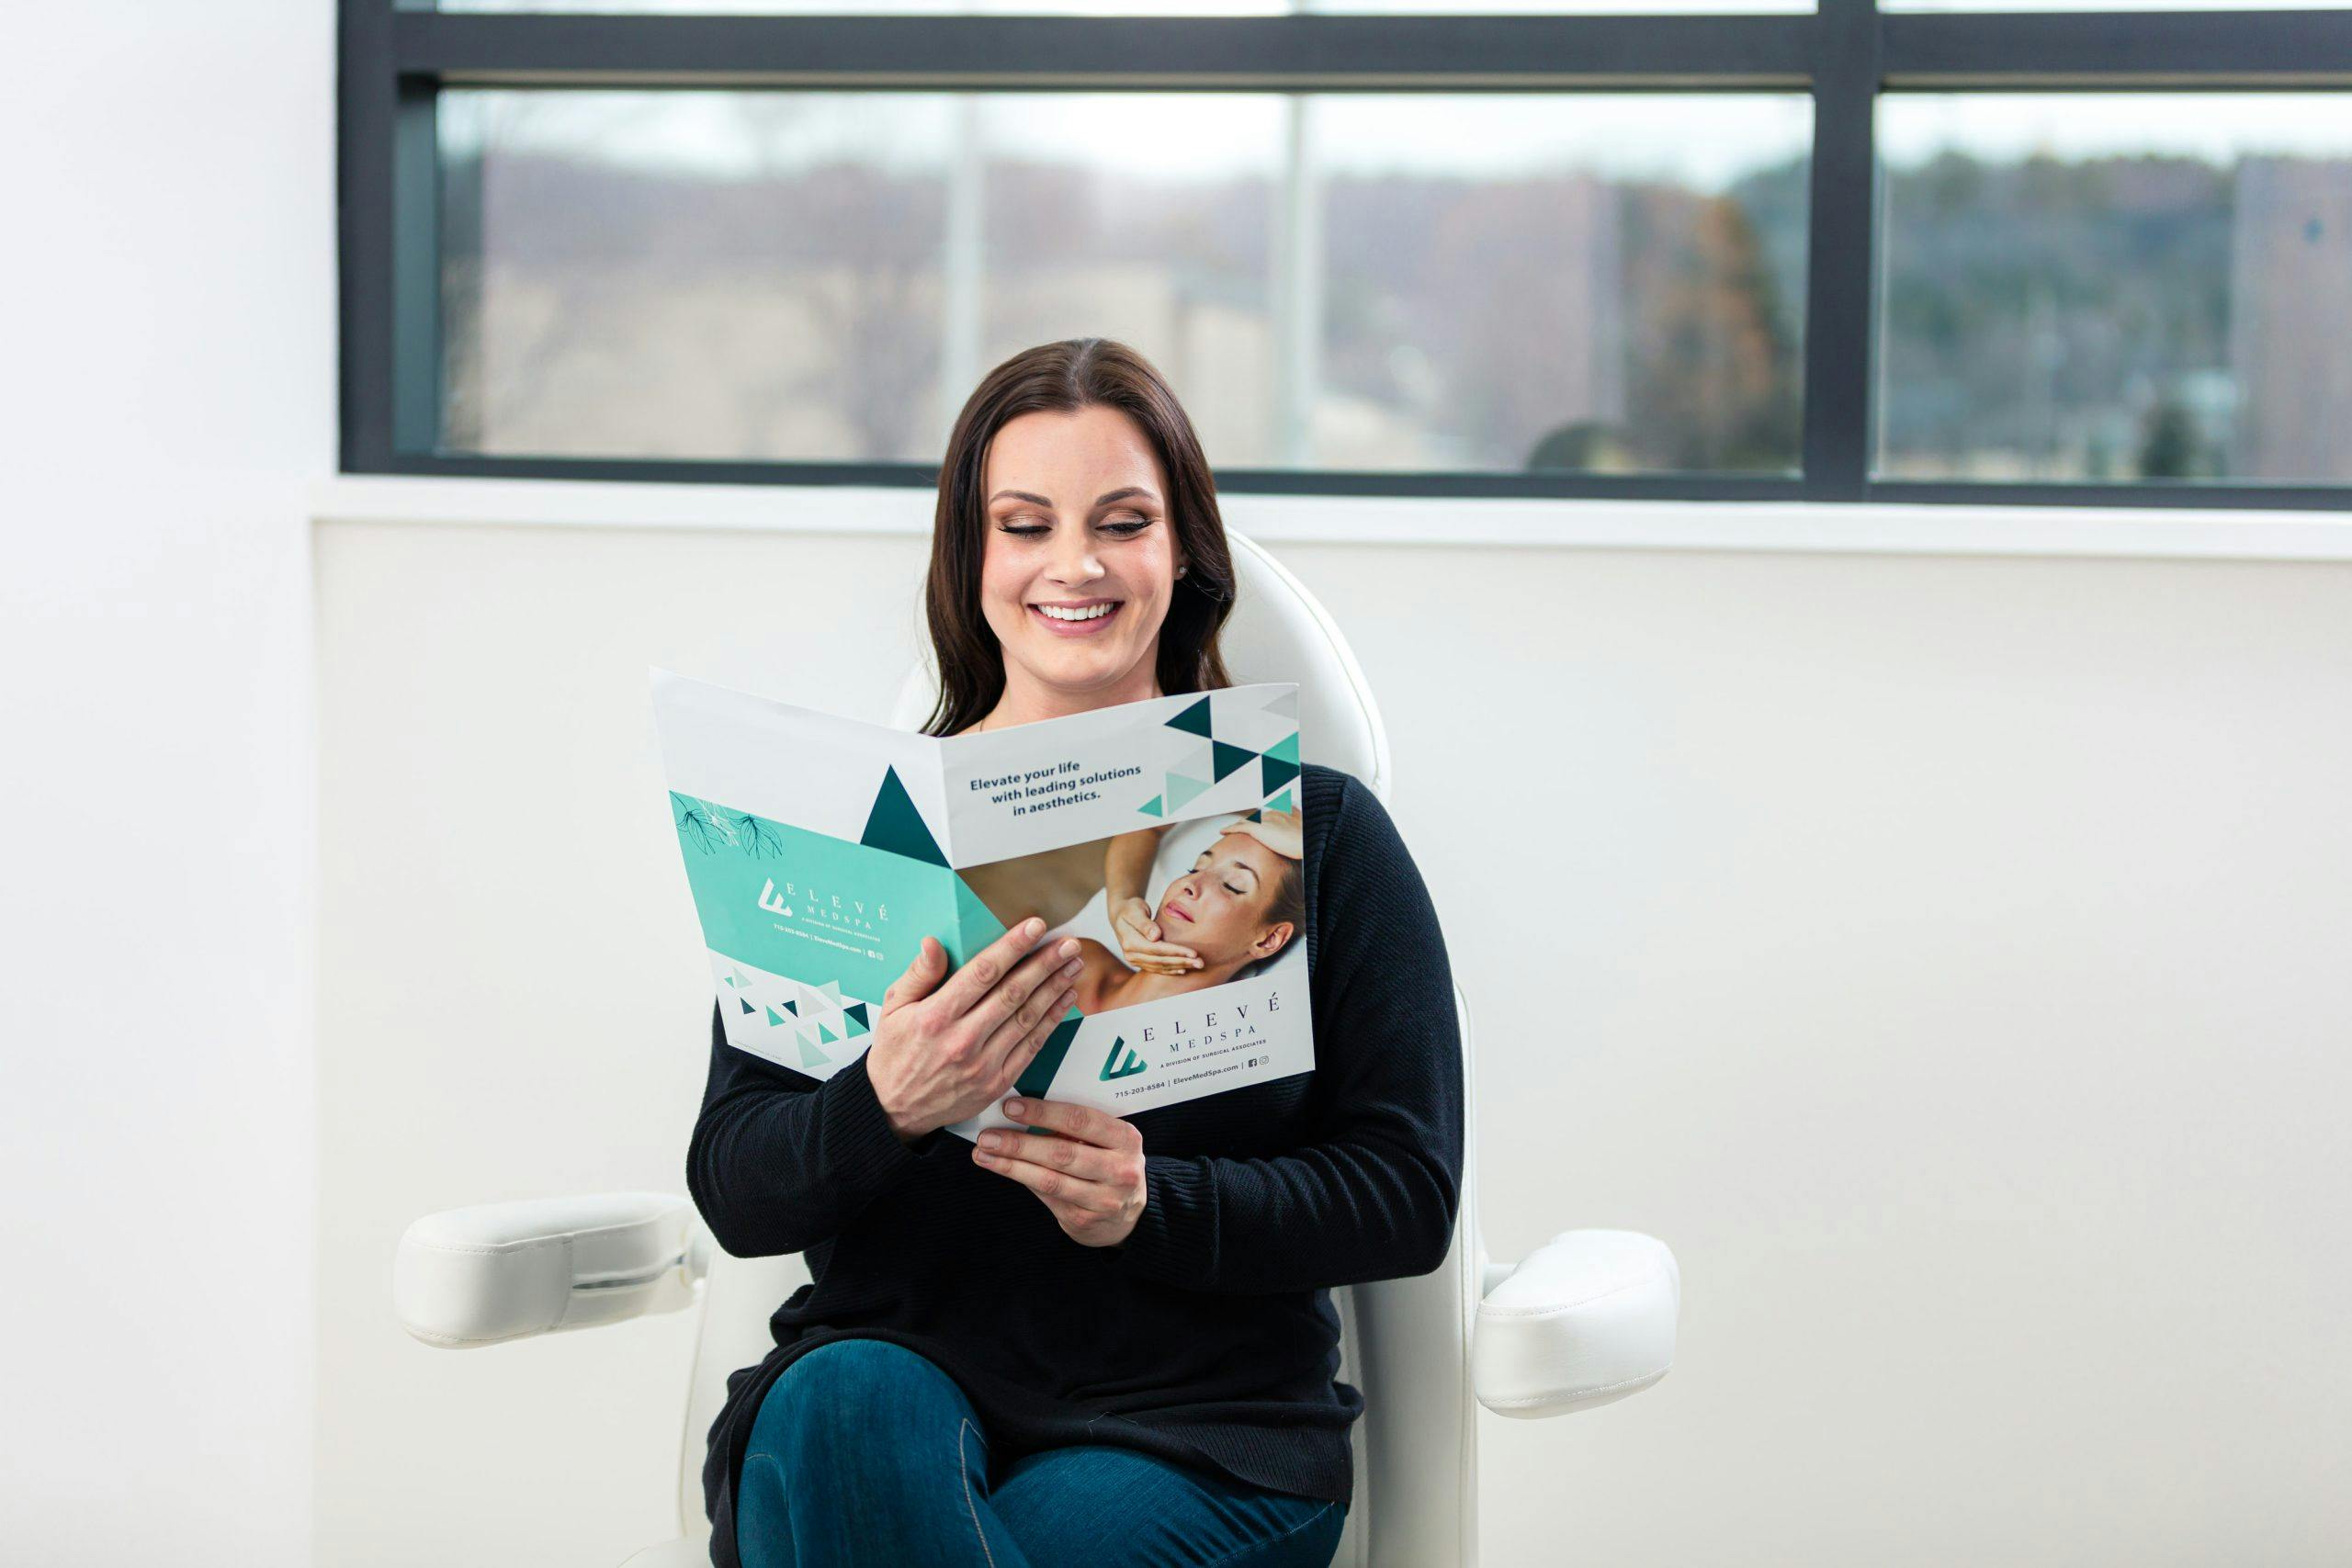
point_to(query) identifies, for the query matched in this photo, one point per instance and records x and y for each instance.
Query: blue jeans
(867, 1455)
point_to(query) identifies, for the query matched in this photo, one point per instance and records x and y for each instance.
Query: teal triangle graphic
(975, 921)
(1286, 748)
(775, 1017)
(1229, 758)
(1181, 789)
(810, 1057)
(792, 1008)
(1194, 718)
(747, 1005)
(857, 1024)
(1273, 773)
(855, 1013)
(895, 825)
(826, 1036)
(1280, 803)
(1151, 807)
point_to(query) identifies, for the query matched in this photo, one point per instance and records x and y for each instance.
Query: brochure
(821, 850)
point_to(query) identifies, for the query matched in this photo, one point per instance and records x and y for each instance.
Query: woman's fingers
(1053, 1151)
(1032, 984)
(920, 977)
(1024, 1050)
(1020, 1037)
(1174, 952)
(996, 968)
(1082, 1122)
(1281, 832)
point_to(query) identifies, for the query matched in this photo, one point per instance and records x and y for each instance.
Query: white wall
(1945, 955)
(168, 392)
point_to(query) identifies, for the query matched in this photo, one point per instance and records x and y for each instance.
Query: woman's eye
(1124, 530)
(1229, 887)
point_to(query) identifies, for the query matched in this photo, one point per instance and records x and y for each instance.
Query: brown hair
(1075, 373)
(1290, 900)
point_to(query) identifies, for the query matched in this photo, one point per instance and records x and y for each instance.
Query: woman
(1104, 1340)
(1241, 905)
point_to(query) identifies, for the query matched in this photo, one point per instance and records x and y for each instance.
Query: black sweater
(1208, 1335)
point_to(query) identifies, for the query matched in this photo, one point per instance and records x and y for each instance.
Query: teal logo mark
(1112, 1067)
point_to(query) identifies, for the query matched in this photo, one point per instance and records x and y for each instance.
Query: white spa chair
(1586, 1319)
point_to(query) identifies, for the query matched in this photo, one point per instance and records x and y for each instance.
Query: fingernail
(991, 1140)
(1072, 967)
(1015, 1108)
(1033, 927)
(1066, 948)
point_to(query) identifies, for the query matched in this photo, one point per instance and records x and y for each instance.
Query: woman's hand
(1088, 1171)
(1139, 940)
(1279, 830)
(940, 1054)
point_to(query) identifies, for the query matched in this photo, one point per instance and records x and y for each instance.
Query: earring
(1182, 570)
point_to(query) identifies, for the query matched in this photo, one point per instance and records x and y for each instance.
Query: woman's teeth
(1092, 612)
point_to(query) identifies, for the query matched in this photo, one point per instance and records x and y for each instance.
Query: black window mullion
(2182, 50)
(1320, 51)
(366, 111)
(1841, 245)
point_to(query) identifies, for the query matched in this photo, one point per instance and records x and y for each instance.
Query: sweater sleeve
(1375, 1197)
(779, 1160)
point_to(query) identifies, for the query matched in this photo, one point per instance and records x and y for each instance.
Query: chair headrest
(1277, 632)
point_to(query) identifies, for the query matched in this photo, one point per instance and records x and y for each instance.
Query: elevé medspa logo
(826, 909)
(1229, 1023)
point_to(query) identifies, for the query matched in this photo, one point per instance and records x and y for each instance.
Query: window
(1742, 248)
(1372, 281)
(2117, 286)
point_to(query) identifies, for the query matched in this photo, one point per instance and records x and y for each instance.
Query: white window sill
(1870, 528)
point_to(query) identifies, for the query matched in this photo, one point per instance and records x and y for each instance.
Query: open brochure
(821, 850)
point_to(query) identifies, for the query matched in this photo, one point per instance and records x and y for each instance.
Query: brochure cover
(821, 850)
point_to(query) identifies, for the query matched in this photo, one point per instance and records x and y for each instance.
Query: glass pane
(2116, 287)
(1394, 282)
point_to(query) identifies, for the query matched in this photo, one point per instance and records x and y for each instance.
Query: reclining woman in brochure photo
(1091, 1339)
(1239, 907)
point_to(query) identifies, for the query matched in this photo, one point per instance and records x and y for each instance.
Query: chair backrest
(1405, 1343)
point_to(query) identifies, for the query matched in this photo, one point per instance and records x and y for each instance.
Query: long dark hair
(1075, 373)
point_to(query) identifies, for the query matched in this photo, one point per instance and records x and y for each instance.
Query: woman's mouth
(1179, 912)
(1081, 618)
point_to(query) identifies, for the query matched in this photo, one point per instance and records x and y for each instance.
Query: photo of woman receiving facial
(1241, 903)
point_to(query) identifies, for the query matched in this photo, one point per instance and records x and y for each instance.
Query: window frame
(394, 56)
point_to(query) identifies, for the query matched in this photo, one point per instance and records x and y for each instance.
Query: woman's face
(1218, 908)
(1077, 519)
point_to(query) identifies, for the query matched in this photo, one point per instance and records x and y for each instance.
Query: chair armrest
(1588, 1318)
(499, 1271)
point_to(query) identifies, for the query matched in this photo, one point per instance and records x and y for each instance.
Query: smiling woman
(1120, 1329)
(1077, 497)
